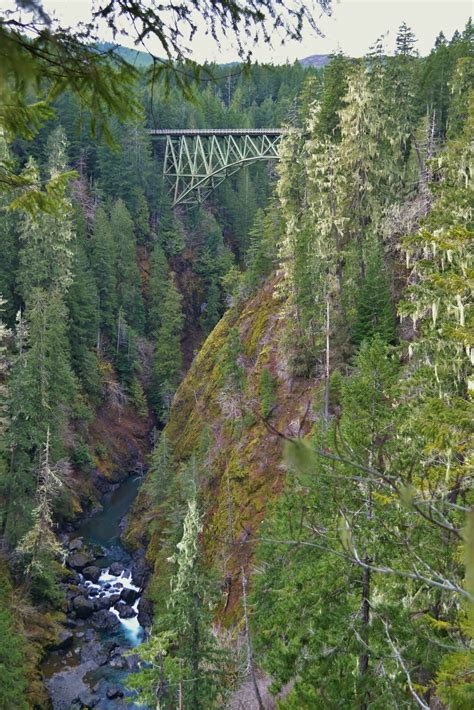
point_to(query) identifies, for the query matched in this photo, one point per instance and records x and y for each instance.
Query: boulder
(64, 640)
(104, 620)
(140, 573)
(116, 568)
(118, 663)
(79, 560)
(145, 612)
(114, 692)
(83, 607)
(94, 651)
(92, 573)
(76, 544)
(125, 611)
(106, 602)
(129, 596)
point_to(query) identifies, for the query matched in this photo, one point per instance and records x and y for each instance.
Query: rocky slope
(242, 469)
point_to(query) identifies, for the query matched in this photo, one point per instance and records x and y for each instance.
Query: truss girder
(195, 162)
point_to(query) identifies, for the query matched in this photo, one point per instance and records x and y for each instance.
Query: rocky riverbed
(106, 616)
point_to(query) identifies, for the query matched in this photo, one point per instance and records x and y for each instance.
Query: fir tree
(129, 294)
(158, 286)
(168, 357)
(182, 657)
(102, 256)
(375, 312)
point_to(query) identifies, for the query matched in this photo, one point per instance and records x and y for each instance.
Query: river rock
(145, 612)
(76, 544)
(114, 692)
(125, 611)
(106, 602)
(64, 640)
(83, 607)
(129, 596)
(140, 572)
(92, 573)
(104, 620)
(116, 568)
(118, 663)
(94, 651)
(79, 560)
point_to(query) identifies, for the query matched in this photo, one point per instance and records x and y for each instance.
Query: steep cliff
(236, 434)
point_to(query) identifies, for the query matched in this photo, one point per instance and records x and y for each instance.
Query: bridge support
(197, 161)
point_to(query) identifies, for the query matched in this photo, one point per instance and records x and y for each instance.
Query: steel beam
(196, 161)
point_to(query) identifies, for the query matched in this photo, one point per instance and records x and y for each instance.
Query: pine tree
(184, 665)
(40, 547)
(375, 313)
(83, 302)
(102, 258)
(168, 357)
(405, 41)
(46, 238)
(42, 393)
(129, 294)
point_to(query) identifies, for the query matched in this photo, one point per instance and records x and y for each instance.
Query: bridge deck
(216, 131)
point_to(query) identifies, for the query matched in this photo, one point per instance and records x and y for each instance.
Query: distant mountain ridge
(316, 60)
(143, 60)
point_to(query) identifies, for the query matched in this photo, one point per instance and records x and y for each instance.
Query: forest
(236, 437)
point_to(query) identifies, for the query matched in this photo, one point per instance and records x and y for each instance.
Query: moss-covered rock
(243, 463)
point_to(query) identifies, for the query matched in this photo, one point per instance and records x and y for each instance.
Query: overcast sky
(353, 27)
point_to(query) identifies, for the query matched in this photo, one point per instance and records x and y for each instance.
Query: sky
(353, 27)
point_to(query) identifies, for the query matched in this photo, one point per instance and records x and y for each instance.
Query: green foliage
(182, 657)
(12, 652)
(168, 357)
(102, 256)
(138, 398)
(233, 372)
(129, 295)
(375, 311)
(267, 387)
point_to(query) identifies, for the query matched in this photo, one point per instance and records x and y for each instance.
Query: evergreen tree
(82, 301)
(102, 257)
(40, 547)
(375, 312)
(158, 286)
(182, 657)
(129, 294)
(42, 393)
(46, 238)
(168, 357)
(12, 650)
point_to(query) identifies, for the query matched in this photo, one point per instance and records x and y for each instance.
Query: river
(92, 664)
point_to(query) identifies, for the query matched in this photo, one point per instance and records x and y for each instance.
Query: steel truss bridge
(196, 161)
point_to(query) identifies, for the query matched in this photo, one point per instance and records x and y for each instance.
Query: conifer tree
(42, 392)
(40, 547)
(129, 294)
(82, 302)
(46, 238)
(168, 357)
(13, 650)
(183, 664)
(375, 312)
(103, 256)
(158, 287)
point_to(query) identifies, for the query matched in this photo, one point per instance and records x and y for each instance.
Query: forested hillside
(289, 365)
